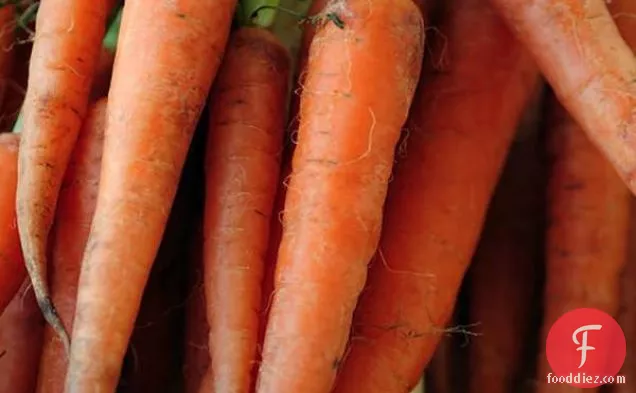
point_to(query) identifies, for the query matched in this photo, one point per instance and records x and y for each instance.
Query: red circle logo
(585, 348)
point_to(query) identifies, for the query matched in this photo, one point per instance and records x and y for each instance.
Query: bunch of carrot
(292, 196)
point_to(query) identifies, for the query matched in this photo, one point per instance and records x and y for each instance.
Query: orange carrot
(167, 57)
(21, 328)
(153, 362)
(269, 270)
(590, 68)
(460, 129)
(246, 133)
(588, 212)
(65, 54)
(350, 122)
(503, 272)
(75, 209)
(12, 270)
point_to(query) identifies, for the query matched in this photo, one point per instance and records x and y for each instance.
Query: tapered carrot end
(51, 316)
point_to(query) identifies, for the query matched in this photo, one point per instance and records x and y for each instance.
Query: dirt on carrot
(65, 53)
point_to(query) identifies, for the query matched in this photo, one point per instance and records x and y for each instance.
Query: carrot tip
(51, 316)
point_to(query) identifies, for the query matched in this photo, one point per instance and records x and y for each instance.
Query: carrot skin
(269, 270)
(503, 273)
(75, 208)
(587, 236)
(275, 236)
(21, 328)
(430, 231)
(12, 271)
(247, 120)
(349, 125)
(65, 53)
(589, 66)
(165, 63)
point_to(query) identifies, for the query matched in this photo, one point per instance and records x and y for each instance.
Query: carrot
(269, 270)
(588, 212)
(349, 126)
(591, 69)
(20, 343)
(503, 273)
(167, 57)
(246, 133)
(459, 132)
(12, 270)
(75, 208)
(65, 53)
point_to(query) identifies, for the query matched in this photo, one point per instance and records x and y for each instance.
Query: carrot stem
(259, 13)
